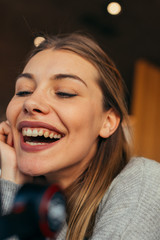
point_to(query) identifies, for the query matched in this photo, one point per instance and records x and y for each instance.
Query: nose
(34, 104)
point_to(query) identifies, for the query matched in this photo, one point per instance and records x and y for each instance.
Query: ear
(110, 123)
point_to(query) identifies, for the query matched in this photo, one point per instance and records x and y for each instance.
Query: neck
(64, 178)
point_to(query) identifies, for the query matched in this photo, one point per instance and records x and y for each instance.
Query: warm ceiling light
(38, 41)
(114, 8)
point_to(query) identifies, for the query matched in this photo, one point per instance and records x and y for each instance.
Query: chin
(31, 169)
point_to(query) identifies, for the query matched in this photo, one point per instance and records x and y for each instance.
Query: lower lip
(35, 148)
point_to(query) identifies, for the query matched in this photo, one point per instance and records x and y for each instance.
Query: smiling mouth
(39, 136)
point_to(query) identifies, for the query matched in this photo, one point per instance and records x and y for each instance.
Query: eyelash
(23, 93)
(60, 94)
(65, 95)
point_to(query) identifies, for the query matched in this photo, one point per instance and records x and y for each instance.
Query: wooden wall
(146, 110)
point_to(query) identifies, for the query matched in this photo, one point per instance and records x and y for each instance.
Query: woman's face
(56, 115)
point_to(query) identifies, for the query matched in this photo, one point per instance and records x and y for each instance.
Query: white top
(130, 209)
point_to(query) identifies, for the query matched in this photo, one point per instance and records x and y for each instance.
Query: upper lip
(36, 124)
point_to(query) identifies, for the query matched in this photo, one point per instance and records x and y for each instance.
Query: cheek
(12, 111)
(83, 118)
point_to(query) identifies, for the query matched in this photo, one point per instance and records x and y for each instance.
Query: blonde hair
(86, 193)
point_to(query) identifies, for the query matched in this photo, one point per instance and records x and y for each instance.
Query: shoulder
(141, 167)
(141, 170)
(130, 208)
(139, 175)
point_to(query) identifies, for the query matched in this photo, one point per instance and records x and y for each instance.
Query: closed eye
(65, 94)
(23, 93)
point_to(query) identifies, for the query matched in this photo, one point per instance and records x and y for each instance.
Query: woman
(65, 123)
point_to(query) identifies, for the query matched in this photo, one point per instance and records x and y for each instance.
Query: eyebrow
(25, 75)
(72, 76)
(55, 77)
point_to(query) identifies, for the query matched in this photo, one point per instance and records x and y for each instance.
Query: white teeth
(29, 132)
(34, 143)
(51, 135)
(24, 132)
(55, 136)
(36, 132)
(40, 133)
(46, 134)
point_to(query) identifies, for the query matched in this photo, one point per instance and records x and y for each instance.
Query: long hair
(86, 193)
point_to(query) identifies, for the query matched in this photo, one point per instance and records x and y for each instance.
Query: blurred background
(131, 38)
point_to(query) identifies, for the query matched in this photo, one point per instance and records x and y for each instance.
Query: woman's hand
(9, 168)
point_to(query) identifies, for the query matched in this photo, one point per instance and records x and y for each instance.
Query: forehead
(61, 61)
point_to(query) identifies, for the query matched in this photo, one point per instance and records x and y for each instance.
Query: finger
(10, 139)
(7, 156)
(10, 136)
(7, 122)
(5, 130)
